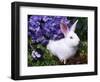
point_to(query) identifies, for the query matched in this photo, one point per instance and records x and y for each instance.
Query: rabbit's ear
(73, 27)
(64, 28)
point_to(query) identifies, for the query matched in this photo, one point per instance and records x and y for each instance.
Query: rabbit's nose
(79, 41)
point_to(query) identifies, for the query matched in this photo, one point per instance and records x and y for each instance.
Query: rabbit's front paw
(63, 61)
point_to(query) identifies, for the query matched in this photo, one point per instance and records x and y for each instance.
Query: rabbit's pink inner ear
(64, 28)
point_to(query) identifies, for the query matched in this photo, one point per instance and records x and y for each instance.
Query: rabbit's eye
(71, 37)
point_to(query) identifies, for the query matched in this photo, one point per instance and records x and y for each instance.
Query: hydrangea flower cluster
(44, 28)
(38, 54)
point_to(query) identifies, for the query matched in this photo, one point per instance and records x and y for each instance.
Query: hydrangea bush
(43, 28)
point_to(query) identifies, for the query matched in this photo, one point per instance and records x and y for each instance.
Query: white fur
(66, 47)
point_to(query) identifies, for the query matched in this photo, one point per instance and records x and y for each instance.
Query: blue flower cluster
(43, 28)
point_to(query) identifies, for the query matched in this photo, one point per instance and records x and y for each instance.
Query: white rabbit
(66, 47)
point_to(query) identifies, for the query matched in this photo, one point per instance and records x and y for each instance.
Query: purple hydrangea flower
(37, 54)
(43, 28)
